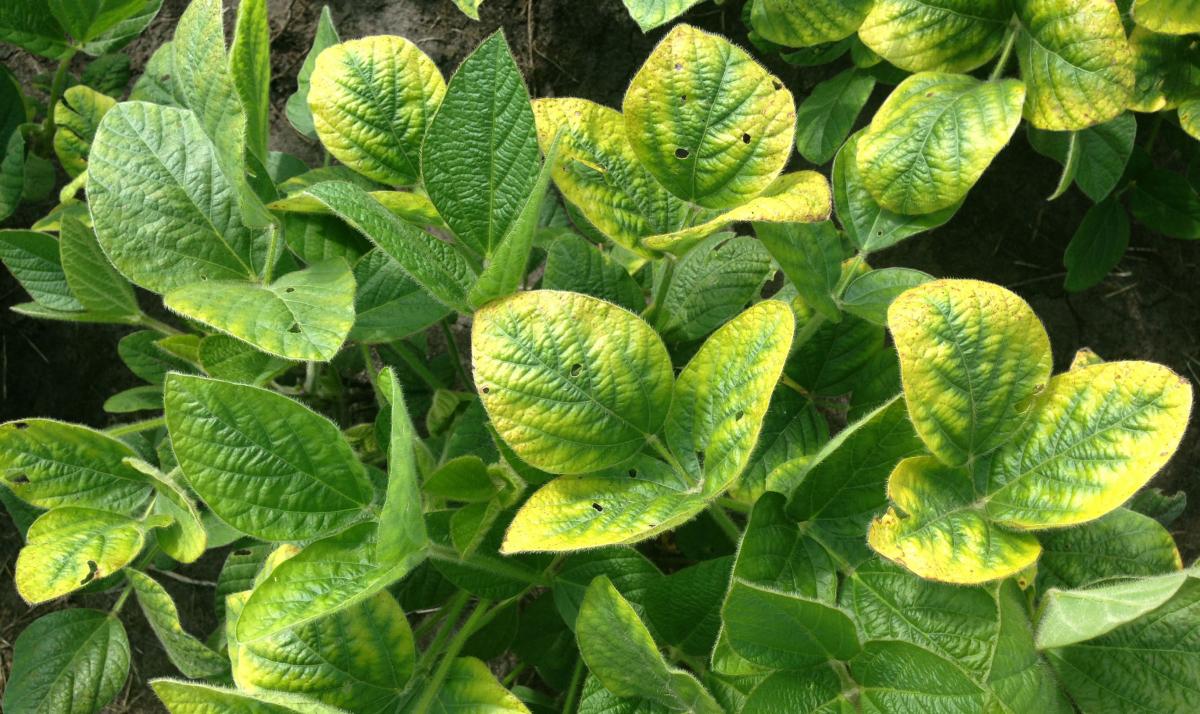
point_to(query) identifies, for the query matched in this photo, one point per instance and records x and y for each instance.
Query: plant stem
(135, 427)
(1009, 41)
(158, 325)
(57, 85)
(660, 290)
(447, 661)
(120, 603)
(369, 365)
(731, 530)
(272, 253)
(512, 676)
(416, 363)
(452, 610)
(664, 452)
(452, 350)
(572, 696)
(731, 505)
(423, 629)
(495, 567)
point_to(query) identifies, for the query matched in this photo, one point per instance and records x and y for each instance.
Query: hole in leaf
(745, 138)
(289, 290)
(486, 390)
(632, 473)
(20, 425)
(93, 571)
(739, 415)
(700, 458)
(682, 153)
(683, 99)
(20, 479)
(678, 66)
(295, 328)
(597, 507)
(242, 552)
(576, 369)
(776, 84)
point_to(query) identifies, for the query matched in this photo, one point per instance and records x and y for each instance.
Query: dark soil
(1005, 233)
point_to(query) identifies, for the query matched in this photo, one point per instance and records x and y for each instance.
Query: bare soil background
(1005, 233)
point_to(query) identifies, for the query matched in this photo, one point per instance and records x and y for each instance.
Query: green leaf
(573, 384)
(1101, 153)
(69, 547)
(711, 284)
(870, 294)
(649, 14)
(250, 66)
(1165, 70)
(152, 160)
(1147, 665)
(470, 8)
(804, 23)
(189, 655)
(359, 658)
(305, 315)
(785, 631)
(833, 361)
(707, 121)
(480, 157)
(600, 174)
(776, 554)
(401, 525)
(1166, 204)
(298, 113)
(792, 428)
(92, 279)
(70, 661)
(1097, 246)
(13, 113)
(721, 396)
(575, 265)
(1172, 17)
(185, 540)
(814, 691)
(33, 259)
(505, 270)
(902, 677)
(108, 74)
(76, 117)
(230, 359)
(685, 607)
(946, 36)
(810, 256)
(142, 354)
(155, 84)
(135, 399)
(934, 136)
(462, 479)
(323, 578)
(50, 464)
(277, 442)
(872, 227)
(1075, 61)
(434, 264)
(29, 24)
(982, 350)
(620, 652)
(388, 304)
(372, 100)
(101, 26)
(824, 119)
(195, 698)
(1068, 617)
(471, 686)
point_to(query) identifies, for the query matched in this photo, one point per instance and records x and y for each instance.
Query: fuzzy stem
(135, 427)
(464, 633)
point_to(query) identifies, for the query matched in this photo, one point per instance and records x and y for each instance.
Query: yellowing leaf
(971, 355)
(707, 121)
(76, 118)
(649, 14)
(372, 100)
(803, 23)
(799, 197)
(1170, 17)
(946, 36)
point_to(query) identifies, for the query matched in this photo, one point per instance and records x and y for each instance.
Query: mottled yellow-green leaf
(405, 205)
(1166, 70)
(1075, 61)
(190, 656)
(1171, 17)
(937, 35)
(934, 136)
(601, 176)
(572, 383)
(971, 355)
(649, 14)
(1095, 436)
(372, 100)
(803, 23)
(938, 531)
(1189, 117)
(799, 197)
(76, 118)
(710, 123)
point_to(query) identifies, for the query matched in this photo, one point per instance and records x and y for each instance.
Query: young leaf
(707, 121)
(434, 264)
(824, 119)
(250, 65)
(600, 174)
(71, 661)
(816, 690)
(153, 160)
(1122, 544)
(34, 260)
(297, 109)
(372, 100)
(721, 396)
(304, 316)
(785, 631)
(804, 23)
(573, 384)
(871, 294)
(811, 258)
(982, 350)
(792, 428)
(223, 357)
(1068, 617)
(277, 442)
(711, 284)
(1098, 245)
(1075, 61)
(30, 24)
(955, 36)
(1101, 153)
(575, 265)
(388, 304)
(92, 279)
(775, 553)
(401, 524)
(50, 464)
(933, 138)
(189, 655)
(480, 157)
(69, 547)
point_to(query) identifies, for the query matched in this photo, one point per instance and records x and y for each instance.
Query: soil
(1006, 233)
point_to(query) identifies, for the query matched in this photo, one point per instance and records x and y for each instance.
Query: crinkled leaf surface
(573, 384)
(305, 315)
(934, 136)
(389, 305)
(372, 100)
(224, 357)
(707, 121)
(940, 36)
(1075, 60)
(803, 23)
(792, 428)
(575, 265)
(785, 631)
(1122, 544)
(711, 284)
(263, 463)
(471, 686)
(401, 526)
